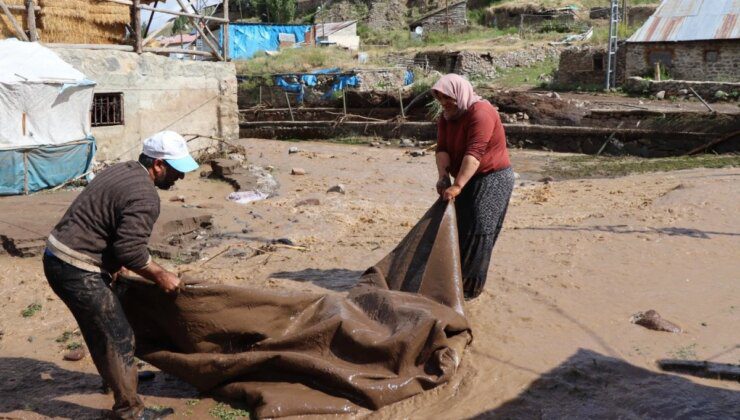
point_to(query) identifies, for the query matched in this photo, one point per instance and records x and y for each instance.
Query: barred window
(107, 109)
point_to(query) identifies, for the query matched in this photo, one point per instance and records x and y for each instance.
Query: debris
(75, 355)
(720, 94)
(180, 198)
(375, 144)
(660, 95)
(418, 153)
(206, 174)
(46, 376)
(702, 368)
(683, 92)
(406, 143)
(244, 197)
(283, 241)
(293, 150)
(222, 167)
(339, 188)
(308, 202)
(517, 176)
(236, 253)
(652, 320)
(554, 95)
(298, 171)
(547, 179)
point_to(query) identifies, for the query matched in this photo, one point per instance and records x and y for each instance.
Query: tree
(180, 25)
(276, 11)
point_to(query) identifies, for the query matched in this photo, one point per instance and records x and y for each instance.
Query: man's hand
(451, 192)
(168, 282)
(442, 184)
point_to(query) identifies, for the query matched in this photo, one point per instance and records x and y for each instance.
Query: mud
(575, 259)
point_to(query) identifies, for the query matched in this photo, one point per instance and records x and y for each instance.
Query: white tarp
(43, 99)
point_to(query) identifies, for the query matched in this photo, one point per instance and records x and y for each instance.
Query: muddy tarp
(401, 330)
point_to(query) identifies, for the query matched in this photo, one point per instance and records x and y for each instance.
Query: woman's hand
(451, 192)
(443, 183)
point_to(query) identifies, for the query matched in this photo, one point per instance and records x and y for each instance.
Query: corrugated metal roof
(691, 20)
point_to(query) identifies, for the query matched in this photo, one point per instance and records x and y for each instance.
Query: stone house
(692, 40)
(586, 66)
(453, 18)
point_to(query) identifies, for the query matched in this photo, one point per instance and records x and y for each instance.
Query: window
(598, 62)
(711, 56)
(664, 57)
(107, 109)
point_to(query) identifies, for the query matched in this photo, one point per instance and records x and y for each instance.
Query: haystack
(75, 21)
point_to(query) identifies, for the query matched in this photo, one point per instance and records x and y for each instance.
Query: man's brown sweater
(109, 224)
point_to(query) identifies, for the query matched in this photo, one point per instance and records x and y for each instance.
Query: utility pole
(611, 67)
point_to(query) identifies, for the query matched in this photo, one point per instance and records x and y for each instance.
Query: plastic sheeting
(38, 168)
(245, 40)
(400, 331)
(30, 62)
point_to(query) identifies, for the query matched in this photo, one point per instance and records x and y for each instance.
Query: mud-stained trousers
(104, 326)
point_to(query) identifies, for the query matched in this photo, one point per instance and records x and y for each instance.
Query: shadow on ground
(40, 387)
(592, 385)
(338, 279)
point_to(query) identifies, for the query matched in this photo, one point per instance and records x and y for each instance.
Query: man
(107, 228)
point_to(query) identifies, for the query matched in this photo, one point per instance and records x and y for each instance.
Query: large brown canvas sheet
(401, 330)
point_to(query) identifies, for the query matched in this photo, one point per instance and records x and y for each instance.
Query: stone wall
(455, 18)
(636, 15)
(586, 65)
(717, 60)
(680, 88)
(190, 97)
(386, 14)
(476, 64)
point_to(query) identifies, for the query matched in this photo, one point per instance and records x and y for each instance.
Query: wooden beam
(164, 50)
(151, 18)
(22, 8)
(136, 23)
(18, 29)
(173, 12)
(225, 30)
(202, 34)
(31, 20)
(92, 46)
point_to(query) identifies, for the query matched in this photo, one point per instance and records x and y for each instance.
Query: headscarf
(457, 87)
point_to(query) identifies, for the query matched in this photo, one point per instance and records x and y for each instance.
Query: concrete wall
(699, 60)
(190, 97)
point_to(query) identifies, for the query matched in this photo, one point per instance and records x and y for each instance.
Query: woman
(471, 147)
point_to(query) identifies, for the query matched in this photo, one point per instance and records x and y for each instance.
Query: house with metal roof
(691, 39)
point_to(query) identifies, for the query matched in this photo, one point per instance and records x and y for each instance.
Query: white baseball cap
(172, 148)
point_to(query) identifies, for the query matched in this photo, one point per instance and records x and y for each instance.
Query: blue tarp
(245, 40)
(44, 167)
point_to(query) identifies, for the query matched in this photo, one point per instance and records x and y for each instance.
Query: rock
(525, 117)
(293, 150)
(205, 174)
(339, 188)
(308, 202)
(516, 175)
(417, 153)
(547, 179)
(554, 95)
(374, 144)
(283, 241)
(652, 320)
(720, 94)
(683, 92)
(180, 198)
(46, 376)
(406, 143)
(75, 355)
(298, 171)
(660, 95)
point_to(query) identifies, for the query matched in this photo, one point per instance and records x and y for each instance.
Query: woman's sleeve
(480, 132)
(441, 138)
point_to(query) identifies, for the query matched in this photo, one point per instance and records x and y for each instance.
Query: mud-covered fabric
(400, 331)
(481, 209)
(104, 327)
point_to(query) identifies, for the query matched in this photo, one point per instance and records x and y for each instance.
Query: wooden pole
(18, 28)
(176, 13)
(657, 72)
(260, 95)
(289, 107)
(344, 101)
(164, 50)
(200, 32)
(225, 31)
(400, 100)
(136, 23)
(701, 99)
(149, 24)
(31, 20)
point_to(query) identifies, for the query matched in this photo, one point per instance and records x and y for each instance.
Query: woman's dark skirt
(481, 208)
